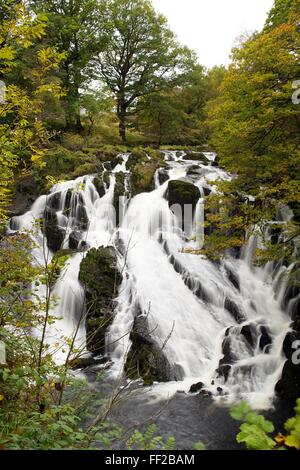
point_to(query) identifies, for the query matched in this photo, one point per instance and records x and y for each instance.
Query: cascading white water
(196, 310)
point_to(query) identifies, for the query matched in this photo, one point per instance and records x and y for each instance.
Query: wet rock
(75, 238)
(247, 332)
(182, 193)
(265, 341)
(55, 235)
(84, 362)
(99, 185)
(145, 359)
(82, 220)
(224, 371)
(290, 340)
(193, 170)
(162, 176)
(54, 200)
(232, 308)
(232, 277)
(106, 178)
(107, 166)
(118, 160)
(207, 191)
(196, 387)
(100, 278)
(229, 356)
(201, 293)
(67, 203)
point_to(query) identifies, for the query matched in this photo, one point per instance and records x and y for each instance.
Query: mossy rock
(136, 157)
(142, 177)
(100, 277)
(197, 156)
(182, 193)
(99, 185)
(116, 161)
(88, 168)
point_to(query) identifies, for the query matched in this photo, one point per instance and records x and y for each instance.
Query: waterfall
(218, 323)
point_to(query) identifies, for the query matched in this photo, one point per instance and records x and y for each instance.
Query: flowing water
(198, 311)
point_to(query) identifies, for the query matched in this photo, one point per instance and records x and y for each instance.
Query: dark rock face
(265, 341)
(232, 308)
(233, 278)
(100, 278)
(162, 176)
(248, 333)
(75, 238)
(193, 170)
(288, 386)
(196, 387)
(116, 161)
(99, 185)
(145, 358)
(55, 235)
(82, 220)
(182, 192)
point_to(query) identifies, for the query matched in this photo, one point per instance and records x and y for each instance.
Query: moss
(142, 176)
(86, 169)
(182, 192)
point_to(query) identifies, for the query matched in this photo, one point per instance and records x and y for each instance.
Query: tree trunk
(122, 118)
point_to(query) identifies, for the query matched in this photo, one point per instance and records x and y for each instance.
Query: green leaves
(255, 430)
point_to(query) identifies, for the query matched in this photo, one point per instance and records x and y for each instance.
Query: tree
(160, 116)
(96, 103)
(279, 13)
(22, 134)
(141, 55)
(74, 27)
(256, 125)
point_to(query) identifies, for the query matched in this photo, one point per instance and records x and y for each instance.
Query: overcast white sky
(210, 27)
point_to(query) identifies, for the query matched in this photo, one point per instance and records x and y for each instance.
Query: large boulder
(145, 359)
(197, 156)
(182, 193)
(54, 234)
(100, 278)
(142, 177)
